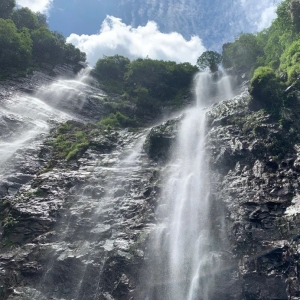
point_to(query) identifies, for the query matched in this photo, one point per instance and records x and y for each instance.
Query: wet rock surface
(79, 229)
(255, 175)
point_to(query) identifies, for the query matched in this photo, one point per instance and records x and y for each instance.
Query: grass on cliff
(71, 139)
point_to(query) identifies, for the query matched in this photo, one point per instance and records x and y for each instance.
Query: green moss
(9, 222)
(267, 91)
(6, 243)
(290, 62)
(71, 141)
(118, 120)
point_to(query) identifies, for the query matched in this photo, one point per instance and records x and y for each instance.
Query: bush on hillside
(267, 90)
(24, 17)
(6, 8)
(209, 60)
(16, 47)
(290, 62)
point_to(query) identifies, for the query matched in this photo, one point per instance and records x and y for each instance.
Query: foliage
(9, 222)
(71, 141)
(160, 80)
(267, 90)
(42, 19)
(6, 8)
(250, 51)
(118, 120)
(16, 47)
(111, 67)
(24, 17)
(209, 60)
(73, 55)
(46, 47)
(242, 54)
(148, 84)
(27, 42)
(290, 62)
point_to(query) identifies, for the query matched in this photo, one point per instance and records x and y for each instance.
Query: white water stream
(24, 117)
(184, 250)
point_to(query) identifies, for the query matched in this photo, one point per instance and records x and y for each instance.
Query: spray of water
(25, 117)
(184, 248)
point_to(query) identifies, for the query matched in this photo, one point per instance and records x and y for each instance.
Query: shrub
(6, 8)
(209, 60)
(266, 90)
(15, 50)
(290, 62)
(118, 120)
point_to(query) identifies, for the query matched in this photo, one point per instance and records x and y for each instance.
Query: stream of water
(184, 249)
(24, 117)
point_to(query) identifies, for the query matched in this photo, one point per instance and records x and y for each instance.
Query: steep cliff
(79, 228)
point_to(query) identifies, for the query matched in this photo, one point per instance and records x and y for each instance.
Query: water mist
(183, 251)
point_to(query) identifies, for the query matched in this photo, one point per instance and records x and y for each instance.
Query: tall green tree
(111, 67)
(24, 17)
(6, 8)
(242, 54)
(46, 47)
(209, 60)
(16, 47)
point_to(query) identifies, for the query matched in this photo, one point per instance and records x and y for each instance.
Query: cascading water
(184, 250)
(23, 117)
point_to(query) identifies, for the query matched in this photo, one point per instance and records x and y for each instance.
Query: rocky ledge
(255, 175)
(81, 225)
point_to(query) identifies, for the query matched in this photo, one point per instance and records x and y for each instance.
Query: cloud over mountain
(115, 37)
(36, 5)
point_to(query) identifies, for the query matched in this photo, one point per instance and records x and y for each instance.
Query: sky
(178, 30)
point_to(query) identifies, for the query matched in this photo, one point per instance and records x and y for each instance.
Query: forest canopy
(27, 43)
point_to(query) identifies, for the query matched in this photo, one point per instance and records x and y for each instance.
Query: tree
(6, 8)
(111, 67)
(24, 17)
(209, 60)
(290, 63)
(267, 90)
(15, 50)
(73, 55)
(42, 19)
(46, 47)
(242, 54)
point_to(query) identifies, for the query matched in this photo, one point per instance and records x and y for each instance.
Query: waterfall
(184, 251)
(24, 117)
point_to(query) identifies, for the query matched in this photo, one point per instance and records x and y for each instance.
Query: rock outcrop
(78, 228)
(255, 176)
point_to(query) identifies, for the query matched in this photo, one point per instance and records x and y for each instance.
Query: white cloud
(268, 15)
(260, 14)
(36, 5)
(116, 37)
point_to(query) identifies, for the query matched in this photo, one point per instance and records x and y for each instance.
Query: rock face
(256, 167)
(81, 232)
(79, 229)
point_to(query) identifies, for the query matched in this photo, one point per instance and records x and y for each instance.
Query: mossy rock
(267, 90)
(160, 139)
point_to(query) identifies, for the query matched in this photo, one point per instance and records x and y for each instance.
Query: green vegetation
(272, 59)
(290, 62)
(16, 48)
(147, 84)
(6, 8)
(70, 141)
(118, 120)
(9, 222)
(27, 43)
(209, 60)
(267, 89)
(242, 55)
